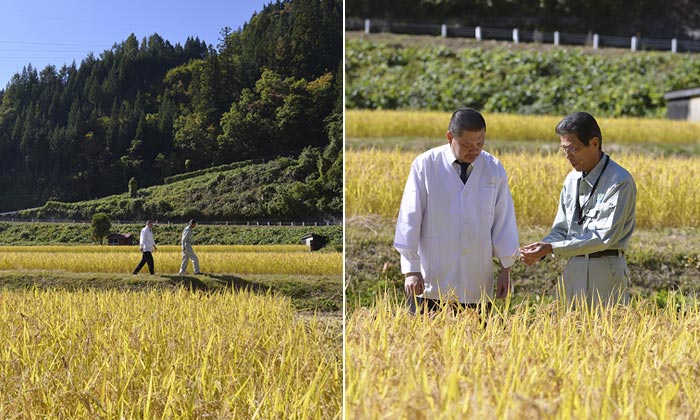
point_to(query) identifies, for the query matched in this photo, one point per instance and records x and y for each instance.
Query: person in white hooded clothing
(456, 215)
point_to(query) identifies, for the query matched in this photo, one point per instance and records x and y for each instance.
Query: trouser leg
(574, 281)
(141, 263)
(419, 305)
(195, 262)
(149, 261)
(608, 281)
(597, 281)
(188, 254)
(183, 265)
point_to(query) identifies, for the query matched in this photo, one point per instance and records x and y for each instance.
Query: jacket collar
(593, 175)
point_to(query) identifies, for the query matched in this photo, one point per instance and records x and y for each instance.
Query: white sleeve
(408, 224)
(504, 231)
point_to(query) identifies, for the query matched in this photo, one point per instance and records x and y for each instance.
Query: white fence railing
(8, 219)
(516, 35)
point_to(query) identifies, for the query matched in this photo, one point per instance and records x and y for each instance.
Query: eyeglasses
(569, 150)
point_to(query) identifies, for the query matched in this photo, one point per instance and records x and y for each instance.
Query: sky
(43, 32)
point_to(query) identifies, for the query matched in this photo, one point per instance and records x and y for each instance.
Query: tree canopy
(147, 109)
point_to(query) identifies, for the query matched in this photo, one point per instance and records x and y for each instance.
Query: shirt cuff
(507, 261)
(559, 249)
(410, 266)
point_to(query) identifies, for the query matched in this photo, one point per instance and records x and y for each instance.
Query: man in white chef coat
(595, 218)
(147, 245)
(456, 215)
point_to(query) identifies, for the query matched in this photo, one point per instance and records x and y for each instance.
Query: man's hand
(414, 285)
(534, 252)
(503, 283)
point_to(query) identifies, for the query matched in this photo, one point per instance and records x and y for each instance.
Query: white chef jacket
(146, 240)
(450, 231)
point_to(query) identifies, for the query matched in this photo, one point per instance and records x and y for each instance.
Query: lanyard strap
(579, 209)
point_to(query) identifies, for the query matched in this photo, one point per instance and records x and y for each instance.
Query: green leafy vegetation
(308, 188)
(390, 74)
(100, 226)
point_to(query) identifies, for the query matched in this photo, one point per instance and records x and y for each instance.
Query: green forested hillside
(148, 109)
(399, 72)
(284, 189)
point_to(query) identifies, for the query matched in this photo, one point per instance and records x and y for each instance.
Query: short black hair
(466, 119)
(193, 221)
(583, 125)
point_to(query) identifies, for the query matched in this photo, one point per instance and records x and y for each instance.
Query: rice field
(165, 355)
(532, 360)
(161, 248)
(535, 359)
(428, 124)
(666, 186)
(265, 259)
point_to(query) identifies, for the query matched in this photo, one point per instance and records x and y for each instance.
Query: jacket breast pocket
(604, 214)
(487, 197)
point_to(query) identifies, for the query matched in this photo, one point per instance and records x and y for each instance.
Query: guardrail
(516, 35)
(169, 222)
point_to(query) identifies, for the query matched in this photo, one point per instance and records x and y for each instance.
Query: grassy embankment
(283, 189)
(28, 233)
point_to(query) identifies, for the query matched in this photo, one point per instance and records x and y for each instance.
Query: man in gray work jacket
(595, 218)
(187, 251)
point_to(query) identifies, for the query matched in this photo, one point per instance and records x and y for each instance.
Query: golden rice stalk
(666, 191)
(532, 361)
(98, 259)
(433, 125)
(165, 355)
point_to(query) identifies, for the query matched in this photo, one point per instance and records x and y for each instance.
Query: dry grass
(531, 361)
(667, 195)
(212, 259)
(161, 248)
(165, 355)
(433, 125)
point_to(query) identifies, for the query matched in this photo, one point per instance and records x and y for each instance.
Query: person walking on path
(147, 245)
(187, 251)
